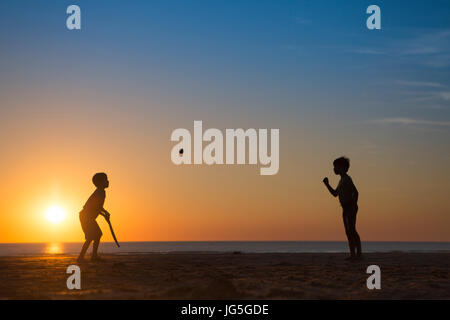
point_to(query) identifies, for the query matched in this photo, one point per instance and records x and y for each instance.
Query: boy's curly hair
(98, 178)
(342, 162)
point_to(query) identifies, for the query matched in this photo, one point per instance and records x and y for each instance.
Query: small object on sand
(181, 151)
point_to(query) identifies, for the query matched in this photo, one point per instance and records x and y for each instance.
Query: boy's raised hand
(325, 180)
(106, 214)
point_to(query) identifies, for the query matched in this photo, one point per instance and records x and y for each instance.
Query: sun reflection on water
(53, 248)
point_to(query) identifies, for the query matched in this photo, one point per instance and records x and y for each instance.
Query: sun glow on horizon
(55, 214)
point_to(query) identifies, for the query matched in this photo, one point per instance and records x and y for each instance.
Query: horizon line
(174, 241)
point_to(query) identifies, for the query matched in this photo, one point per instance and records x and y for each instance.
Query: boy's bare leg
(84, 250)
(351, 244)
(354, 235)
(95, 249)
(358, 244)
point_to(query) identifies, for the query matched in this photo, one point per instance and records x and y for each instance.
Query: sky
(107, 98)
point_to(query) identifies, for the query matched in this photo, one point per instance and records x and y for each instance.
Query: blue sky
(303, 64)
(290, 64)
(222, 48)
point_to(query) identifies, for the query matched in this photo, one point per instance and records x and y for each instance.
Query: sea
(33, 249)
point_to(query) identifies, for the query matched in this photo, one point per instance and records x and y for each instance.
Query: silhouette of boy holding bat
(91, 210)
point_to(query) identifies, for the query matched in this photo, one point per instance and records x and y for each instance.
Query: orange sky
(52, 155)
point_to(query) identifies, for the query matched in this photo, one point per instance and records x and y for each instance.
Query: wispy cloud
(371, 148)
(299, 20)
(365, 51)
(439, 61)
(431, 48)
(435, 98)
(436, 95)
(445, 95)
(420, 84)
(411, 121)
(428, 43)
(298, 50)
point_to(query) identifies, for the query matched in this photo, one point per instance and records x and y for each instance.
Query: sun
(55, 214)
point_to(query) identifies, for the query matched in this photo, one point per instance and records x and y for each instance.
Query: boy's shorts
(90, 228)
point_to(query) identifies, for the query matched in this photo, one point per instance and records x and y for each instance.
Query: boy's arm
(105, 213)
(332, 191)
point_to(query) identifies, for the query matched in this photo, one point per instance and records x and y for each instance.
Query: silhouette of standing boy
(348, 197)
(91, 210)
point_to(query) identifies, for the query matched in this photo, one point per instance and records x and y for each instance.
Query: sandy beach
(228, 276)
